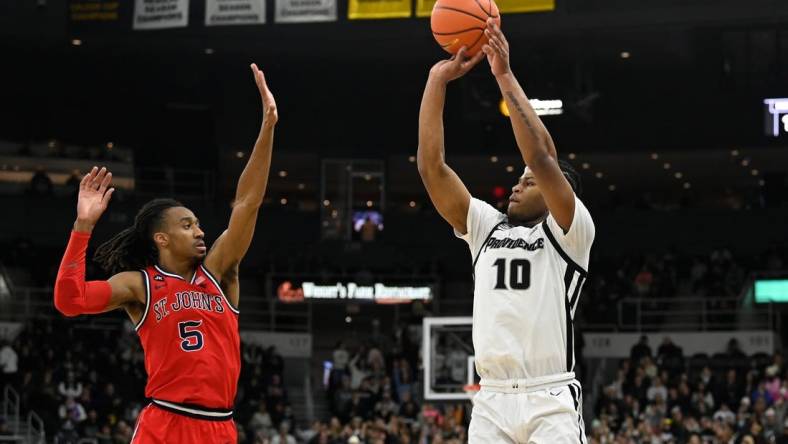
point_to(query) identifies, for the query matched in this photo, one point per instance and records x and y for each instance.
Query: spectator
(668, 350)
(733, 350)
(640, 350)
(72, 411)
(91, 427)
(369, 230)
(40, 183)
(340, 357)
(724, 414)
(284, 436)
(9, 361)
(72, 183)
(67, 433)
(657, 390)
(276, 391)
(70, 387)
(358, 371)
(261, 420)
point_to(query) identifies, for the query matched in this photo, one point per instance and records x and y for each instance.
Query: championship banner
(424, 7)
(93, 11)
(378, 9)
(234, 12)
(301, 11)
(160, 14)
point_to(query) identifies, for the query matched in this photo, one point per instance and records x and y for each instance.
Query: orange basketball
(458, 23)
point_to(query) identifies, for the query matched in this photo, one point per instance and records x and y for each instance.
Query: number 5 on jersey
(519, 274)
(192, 338)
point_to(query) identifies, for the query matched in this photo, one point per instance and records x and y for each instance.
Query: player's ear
(161, 239)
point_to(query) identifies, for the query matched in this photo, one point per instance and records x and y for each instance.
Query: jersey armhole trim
(561, 251)
(146, 283)
(233, 308)
(479, 253)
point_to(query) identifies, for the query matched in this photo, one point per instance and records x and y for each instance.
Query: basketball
(458, 23)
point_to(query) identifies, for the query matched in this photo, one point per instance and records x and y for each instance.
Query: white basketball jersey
(527, 283)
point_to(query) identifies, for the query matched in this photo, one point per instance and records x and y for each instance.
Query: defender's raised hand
(455, 67)
(496, 49)
(94, 196)
(270, 113)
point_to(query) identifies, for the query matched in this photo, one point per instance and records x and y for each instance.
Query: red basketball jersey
(189, 332)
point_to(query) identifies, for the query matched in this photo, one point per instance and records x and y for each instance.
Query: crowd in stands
(374, 391)
(718, 274)
(90, 383)
(665, 397)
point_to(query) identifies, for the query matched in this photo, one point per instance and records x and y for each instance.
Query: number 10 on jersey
(519, 274)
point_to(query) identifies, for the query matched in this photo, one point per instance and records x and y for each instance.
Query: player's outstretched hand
(455, 67)
(270, 114)
(93, 198)
(496, 49)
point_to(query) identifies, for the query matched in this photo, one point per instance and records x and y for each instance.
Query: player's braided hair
(133, 248)
(572, 176)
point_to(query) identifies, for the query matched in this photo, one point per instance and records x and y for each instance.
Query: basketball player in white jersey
(529, 266)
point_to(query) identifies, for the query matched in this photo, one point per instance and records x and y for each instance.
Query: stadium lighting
(551, 107)
(503, 108)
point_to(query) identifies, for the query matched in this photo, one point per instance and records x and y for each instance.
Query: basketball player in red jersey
(181, 297)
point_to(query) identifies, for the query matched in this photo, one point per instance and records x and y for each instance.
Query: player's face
(526, 202)
(182, 235)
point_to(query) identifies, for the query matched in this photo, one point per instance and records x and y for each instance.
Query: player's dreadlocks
(133, 248)
(572, 176)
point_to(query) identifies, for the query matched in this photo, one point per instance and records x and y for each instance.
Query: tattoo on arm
(521, 112)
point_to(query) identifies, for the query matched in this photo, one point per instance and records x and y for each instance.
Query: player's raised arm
(533, 139)
(73, 295)
(447, 192)
(228, 250)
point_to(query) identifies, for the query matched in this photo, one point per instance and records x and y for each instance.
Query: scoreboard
(776, 117)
